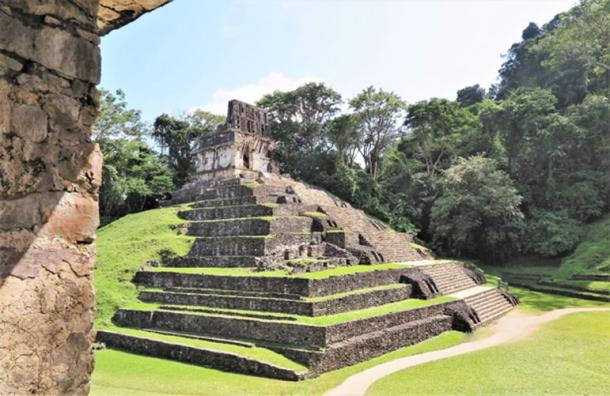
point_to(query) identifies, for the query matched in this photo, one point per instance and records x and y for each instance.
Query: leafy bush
(478, 212)
(552, 234)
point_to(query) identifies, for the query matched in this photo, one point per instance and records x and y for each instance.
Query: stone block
(53, 48)
(75, 219)
(5, 107)
(30, 122)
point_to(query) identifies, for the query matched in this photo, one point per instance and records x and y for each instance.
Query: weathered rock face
(113, 14)
(49, 176)
(50, 172)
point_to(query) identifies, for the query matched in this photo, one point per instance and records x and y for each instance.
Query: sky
(198, 54)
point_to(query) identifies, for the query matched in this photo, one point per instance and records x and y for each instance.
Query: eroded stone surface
(113, 14)
(49, 176)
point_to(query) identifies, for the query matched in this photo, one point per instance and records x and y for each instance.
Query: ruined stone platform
(292, 270)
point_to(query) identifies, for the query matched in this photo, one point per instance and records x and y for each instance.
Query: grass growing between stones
(566, 357)
(124, 246)
(253, 352)
(356, 292)
(120, 373)
(399, 306)
(251, 272)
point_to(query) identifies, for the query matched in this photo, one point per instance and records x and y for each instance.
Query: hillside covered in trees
(518, 168)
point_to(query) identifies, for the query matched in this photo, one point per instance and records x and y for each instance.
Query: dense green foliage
(478, 212)
(178, 136)
(592, 255)
(133, 177)
(545, 127)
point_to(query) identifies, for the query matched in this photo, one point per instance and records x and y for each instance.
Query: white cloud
(250, 93)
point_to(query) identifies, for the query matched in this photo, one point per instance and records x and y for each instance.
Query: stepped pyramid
(285, 280)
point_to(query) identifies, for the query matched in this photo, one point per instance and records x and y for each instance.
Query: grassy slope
(124, 246)
(567, 357)
(119, 373)
(592, 256)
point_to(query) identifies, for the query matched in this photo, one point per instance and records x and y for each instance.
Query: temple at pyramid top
(241, 147)
(247, 118)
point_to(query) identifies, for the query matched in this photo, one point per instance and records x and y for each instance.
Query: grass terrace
(252, 272)
(250, 351)
(399, 306)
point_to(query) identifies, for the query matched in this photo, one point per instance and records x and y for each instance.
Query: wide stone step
(232, 293)
(240, 201)
(234, 327)
(452, 287)
(211, 261)
(234, 191)
(491, 304)
(283, 332)
(369, 345)
(491, 294)
(250, 226)
(248, 245)
(185, 353)
(491, 315)
(442, 267)
(482, 296)
(482, 304)
(288, 285)
(229, 212)
(340, 304)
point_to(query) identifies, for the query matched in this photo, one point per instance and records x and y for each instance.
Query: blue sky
(200, 53)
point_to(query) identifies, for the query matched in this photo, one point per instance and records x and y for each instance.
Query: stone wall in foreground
(50, 173)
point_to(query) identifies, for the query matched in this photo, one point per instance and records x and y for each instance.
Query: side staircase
(268, 289)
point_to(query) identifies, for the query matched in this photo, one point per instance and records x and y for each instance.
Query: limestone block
(65, 10)
(53, 48)
(18, 174)
(5, 107)
(8, 64)
(63, 110)
(30, 122)
(46, 332)
(74, 219)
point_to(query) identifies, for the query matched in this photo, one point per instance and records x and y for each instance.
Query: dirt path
(512, 327)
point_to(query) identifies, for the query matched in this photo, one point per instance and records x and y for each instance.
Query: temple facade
(239, 148)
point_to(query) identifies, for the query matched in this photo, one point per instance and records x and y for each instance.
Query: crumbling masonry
(50, 173)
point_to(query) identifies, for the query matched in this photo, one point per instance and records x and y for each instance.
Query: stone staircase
(449, 278)
(490, 305)
(289, 270)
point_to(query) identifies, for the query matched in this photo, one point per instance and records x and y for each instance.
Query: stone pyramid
(308, 277)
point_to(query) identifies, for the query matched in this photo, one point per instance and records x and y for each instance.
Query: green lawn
(120, 373)
(253, 352)
(567, 357)
(123, 247)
